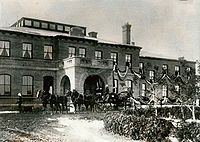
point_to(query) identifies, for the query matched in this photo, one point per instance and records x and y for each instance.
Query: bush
(189, 131)
(137, 126)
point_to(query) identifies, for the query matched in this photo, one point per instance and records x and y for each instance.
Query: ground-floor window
(164, 90)
(27, 85)
(143, 89)
(129, 84)
(5, 84)
(115, 86)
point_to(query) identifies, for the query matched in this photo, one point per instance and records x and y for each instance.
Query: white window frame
(27, 50)
(71, 51)
(27, 85)
(143, 89)
(98, 54)
(82, 52)
(164, 90)
(4, 47)
(114, 56)
(48, 50)
(151, 75)
(128, 59)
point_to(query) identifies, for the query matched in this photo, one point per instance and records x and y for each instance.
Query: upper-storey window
(177, 70)
(151, 75)
(141, 67)
(113, 56)
(48, 52)
(36, 24)
(27, 22)
(4, 48)
(44, 25)
(60, 27)
(27, 50)
(82, 52)
(27, 85)
(72, 52)
(165, 68)
(98, 54)
(5, 84)
(128, 59)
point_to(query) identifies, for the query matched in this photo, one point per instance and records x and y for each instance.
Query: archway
(65, 85)
(94, 84)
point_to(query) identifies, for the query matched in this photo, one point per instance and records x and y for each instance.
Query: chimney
(92, 34)
(126, 33)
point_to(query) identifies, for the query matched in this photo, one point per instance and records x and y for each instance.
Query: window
(165, 68)
(5, 84)
(4, 48)
(27, 50)
(36, 24)
(128, 84)
(82, 52)
(128, 59)
(27, 22)
(151, 75)
(177, 70)
(52, 26)
(48, 52)
(143, 89)
(141, 67)
(72, 52)
(67, 29)
(59, 27)
(98, 54)
(164, 90)
(115, 86)
(113, 56)
(44, 25)
(27, 85)
(177, 88)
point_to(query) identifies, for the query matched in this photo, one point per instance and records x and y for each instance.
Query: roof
(48, 33)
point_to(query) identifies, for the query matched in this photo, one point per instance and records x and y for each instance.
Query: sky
(164, 28)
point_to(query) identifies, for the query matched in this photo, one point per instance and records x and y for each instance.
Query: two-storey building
(56, 57)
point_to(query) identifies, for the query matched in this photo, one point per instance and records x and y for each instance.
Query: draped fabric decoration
(121, 74)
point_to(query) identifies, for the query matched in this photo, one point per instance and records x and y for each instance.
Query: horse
(77, 100)
(44, 97)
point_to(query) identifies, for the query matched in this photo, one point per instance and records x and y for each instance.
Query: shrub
(137, 127)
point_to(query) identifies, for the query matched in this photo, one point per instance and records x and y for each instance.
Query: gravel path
(55, 128)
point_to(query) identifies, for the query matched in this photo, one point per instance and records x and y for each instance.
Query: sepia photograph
(99, 71)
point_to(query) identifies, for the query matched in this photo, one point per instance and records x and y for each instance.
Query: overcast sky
(168, 27)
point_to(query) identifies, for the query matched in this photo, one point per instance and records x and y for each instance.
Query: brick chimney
(92, 34)
(126, 33)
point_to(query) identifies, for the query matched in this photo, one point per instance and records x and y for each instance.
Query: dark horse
(57, 103)
(77, 99)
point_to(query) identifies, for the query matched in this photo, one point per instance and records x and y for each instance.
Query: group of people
(72, 99)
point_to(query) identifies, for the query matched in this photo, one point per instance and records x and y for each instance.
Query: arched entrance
(65, 85)
(94, 84)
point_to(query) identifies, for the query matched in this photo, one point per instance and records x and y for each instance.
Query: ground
(44, 127)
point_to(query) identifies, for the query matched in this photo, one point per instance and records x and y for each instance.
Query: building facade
(56, 57)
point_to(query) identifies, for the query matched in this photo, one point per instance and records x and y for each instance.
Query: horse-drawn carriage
(96, 102)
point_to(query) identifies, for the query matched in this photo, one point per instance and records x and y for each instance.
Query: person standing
(19, 101)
